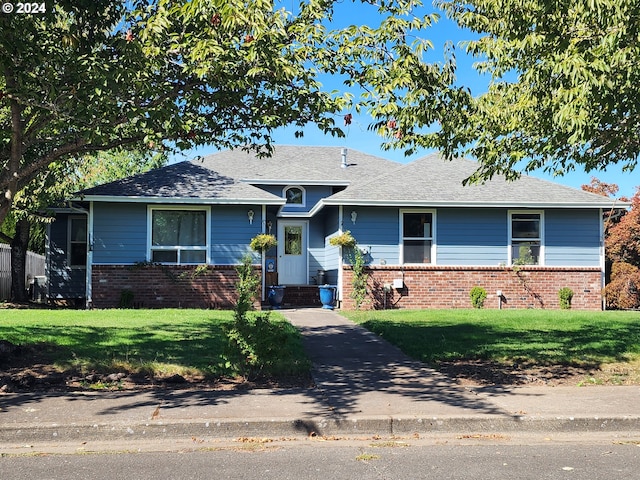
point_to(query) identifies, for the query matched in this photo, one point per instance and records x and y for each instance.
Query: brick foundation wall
(162, 286)
(449, 287)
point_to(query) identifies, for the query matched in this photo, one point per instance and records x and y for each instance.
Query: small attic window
(294, 196)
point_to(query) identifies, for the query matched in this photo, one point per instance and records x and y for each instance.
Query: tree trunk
(19, 247)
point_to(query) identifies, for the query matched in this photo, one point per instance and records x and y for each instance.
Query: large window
(178, 236)
(526, 238)
(78, 241)
(417, 237)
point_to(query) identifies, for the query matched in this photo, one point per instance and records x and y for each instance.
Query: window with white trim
(179, 236)
(417, 236)
(525, 237)
(295, 196)
(77, 241)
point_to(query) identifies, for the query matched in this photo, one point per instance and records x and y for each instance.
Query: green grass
(540, 337)
(157, 342)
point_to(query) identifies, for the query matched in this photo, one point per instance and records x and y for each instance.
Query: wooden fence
(35, 267)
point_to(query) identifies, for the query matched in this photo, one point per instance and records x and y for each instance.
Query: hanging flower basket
(263, 242)
(345, 239)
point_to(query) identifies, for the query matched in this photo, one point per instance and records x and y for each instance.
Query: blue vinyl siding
(572, 238)
(466, 236)
(64, 282)
(331, 258)
(316, 247)
(231, 233)
(376, 230)
(473, 237)
(119, 233)
(479, 236)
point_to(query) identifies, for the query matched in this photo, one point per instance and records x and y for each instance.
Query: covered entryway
(292, 252)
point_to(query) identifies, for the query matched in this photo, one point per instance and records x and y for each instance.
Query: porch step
(301, 296)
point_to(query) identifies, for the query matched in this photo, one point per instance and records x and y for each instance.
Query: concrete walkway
(364, 386)
(358, 373)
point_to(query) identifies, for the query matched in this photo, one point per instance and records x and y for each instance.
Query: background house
(173, 236)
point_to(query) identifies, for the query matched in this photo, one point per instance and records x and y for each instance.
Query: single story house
(173, 237)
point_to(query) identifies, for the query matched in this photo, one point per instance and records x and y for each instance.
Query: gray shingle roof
(185, 180)
(299, 165)
(232, 176)
(434, 181)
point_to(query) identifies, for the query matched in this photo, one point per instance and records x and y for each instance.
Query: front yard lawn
(94, 346)
(587, 347)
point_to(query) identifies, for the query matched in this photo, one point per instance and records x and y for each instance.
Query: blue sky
(359, 138)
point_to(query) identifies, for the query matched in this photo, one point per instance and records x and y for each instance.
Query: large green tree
(563, 93)
(91, 75)
(565, 87)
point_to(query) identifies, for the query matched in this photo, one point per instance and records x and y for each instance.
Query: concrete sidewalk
(364, 386)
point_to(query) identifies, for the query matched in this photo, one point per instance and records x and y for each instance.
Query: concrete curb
(398, 425)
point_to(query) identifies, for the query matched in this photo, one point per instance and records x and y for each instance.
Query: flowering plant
(345, 239)
(263, 242)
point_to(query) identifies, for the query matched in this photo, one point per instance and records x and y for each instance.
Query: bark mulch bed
(24, 369)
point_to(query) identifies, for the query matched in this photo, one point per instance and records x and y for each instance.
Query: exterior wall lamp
(354, 216)
(250, 214)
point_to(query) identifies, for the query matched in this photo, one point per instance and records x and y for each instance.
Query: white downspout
(89, 285)
(47, 261)
(263, 260)
(340, 260)
(603, 263)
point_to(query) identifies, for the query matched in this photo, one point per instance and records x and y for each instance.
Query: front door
(292, 252)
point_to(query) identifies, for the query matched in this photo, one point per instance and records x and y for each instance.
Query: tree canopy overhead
(565, 90)
(91, 75)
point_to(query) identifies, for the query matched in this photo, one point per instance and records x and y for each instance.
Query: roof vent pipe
(344, 158)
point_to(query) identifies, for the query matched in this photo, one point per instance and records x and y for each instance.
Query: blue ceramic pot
(327, 296)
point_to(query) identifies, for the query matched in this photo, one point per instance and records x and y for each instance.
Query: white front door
(292, 252)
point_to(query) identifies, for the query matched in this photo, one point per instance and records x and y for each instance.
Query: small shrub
(247, 287)
(259, 346)
(623, 291)
(478, 296)
(360, 277)
(565, 294)
(256, 345)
